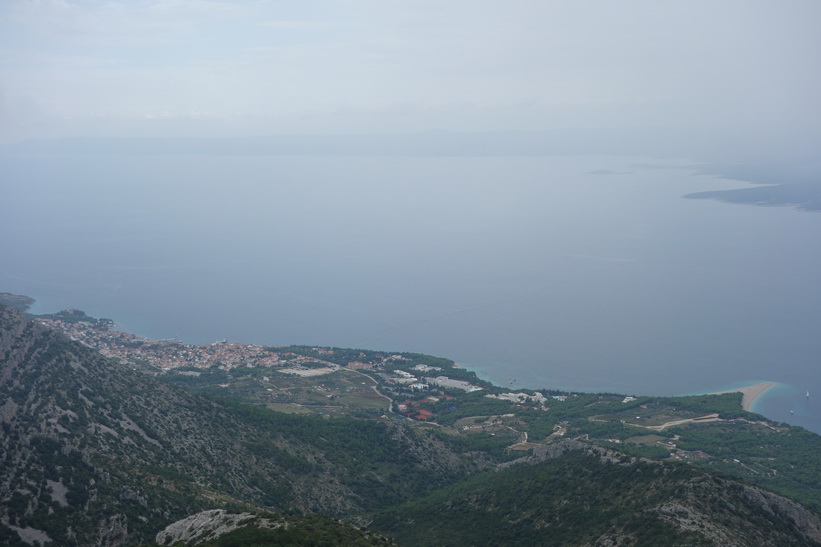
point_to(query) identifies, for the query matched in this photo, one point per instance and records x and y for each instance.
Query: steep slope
(95, 453)
(574, 493)
(222, 528)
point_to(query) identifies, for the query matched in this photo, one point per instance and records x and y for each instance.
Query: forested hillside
(95, 452)
(572, 493)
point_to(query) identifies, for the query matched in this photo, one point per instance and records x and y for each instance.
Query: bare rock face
(209, 525)
(114, 531)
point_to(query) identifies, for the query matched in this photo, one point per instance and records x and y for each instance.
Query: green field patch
(339, 393)
(646, 439)
(651, 415)
(289, 409)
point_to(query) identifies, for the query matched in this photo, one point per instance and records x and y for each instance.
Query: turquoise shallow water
(533, 269)
(790, 404)
(782, 402)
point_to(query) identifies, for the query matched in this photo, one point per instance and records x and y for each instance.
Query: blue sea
(585, 273)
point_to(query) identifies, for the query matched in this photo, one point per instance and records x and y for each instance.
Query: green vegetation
(782, 459)
(79, 316)
(572, 500)
(473, 422)
(382, 471)
(585, 498)
(341, 393)
(343, 356)
(18, 302)
(727, 405)
(300, 531)
(86, 435)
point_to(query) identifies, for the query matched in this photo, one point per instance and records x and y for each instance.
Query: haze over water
(577, 273)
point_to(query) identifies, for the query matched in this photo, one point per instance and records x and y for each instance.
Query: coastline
(749, 394)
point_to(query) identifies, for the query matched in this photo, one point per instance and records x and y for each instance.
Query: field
(339, 393)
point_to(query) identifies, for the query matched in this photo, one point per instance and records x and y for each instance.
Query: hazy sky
(249, 67)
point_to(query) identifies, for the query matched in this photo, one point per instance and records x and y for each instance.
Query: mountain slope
(96, 453)
(573, 493)
(222, 528)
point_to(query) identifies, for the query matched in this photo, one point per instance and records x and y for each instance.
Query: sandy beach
(749, 394)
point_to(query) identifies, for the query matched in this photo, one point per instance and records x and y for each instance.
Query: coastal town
(394, 375)
(169, 354)
(426, 391)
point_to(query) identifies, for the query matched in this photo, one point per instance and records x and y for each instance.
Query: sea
(579, 273)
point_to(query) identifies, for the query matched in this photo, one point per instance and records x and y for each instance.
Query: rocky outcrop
(548, 451)
(209, 525)
(750, 516)
(266, 529)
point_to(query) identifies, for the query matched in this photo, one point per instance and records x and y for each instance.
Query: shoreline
(749, 394)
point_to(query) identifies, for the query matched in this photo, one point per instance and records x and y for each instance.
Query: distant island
(804, 196)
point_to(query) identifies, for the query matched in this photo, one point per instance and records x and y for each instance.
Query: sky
(186, 68)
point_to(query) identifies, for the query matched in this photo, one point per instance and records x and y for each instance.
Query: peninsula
(748, 394)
